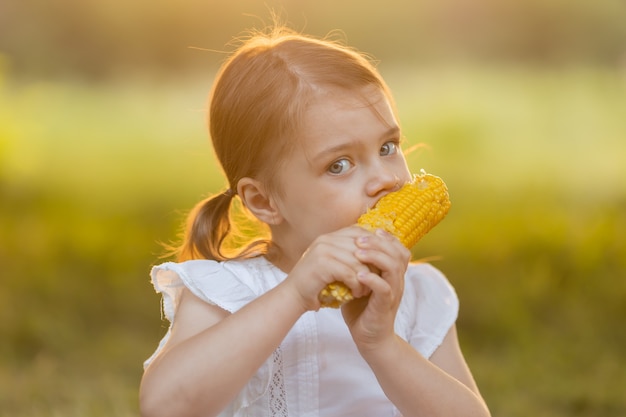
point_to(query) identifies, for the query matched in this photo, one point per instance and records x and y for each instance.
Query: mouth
(395, 189)
(371, 205)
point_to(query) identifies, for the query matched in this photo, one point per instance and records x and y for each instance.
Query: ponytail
(210, 234)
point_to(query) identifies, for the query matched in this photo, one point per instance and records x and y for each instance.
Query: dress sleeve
(217, 283)
(429, 307)
(208, 280)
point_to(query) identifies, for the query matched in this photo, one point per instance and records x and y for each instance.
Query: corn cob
(408, 214)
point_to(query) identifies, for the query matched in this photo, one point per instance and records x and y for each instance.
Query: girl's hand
(331, 257)
(371, 319)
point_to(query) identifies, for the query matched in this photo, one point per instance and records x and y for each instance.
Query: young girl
(307, 137)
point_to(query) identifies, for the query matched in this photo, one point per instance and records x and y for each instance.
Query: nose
(383, 182)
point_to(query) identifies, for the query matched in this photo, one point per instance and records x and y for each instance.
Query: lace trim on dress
(277, 393)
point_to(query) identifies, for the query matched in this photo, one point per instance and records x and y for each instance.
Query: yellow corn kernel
(408, 214)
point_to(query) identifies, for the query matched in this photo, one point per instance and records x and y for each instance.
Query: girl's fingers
(371, 319)
(383, 251)
(333, 257)
(378, 285)
(383, 241)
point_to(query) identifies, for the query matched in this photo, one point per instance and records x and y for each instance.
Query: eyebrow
(395, 130)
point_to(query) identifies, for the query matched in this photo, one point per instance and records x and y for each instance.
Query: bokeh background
(521, 106)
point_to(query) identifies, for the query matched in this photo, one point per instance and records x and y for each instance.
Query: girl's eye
(389, 148)
(339, 166)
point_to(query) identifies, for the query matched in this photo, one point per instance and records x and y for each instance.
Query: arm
(442, 386)
(208, 358)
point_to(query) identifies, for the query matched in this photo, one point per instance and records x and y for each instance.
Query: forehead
(342, 115)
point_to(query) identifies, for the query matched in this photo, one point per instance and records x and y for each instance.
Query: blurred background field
(103, 147)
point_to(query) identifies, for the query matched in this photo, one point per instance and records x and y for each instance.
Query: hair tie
(229, 193)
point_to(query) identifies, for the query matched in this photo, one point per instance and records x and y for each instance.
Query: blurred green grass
(92, 176)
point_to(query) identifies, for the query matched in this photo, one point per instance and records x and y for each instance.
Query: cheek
(324, 210)
(343, 213)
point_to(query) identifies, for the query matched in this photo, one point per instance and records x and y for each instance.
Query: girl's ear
(256, 199)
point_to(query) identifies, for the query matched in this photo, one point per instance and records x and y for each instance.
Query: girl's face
(346, 158)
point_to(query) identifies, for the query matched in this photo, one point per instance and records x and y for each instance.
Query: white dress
(317, 370)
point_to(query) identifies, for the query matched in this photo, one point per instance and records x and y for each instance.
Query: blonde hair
(258, 102)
